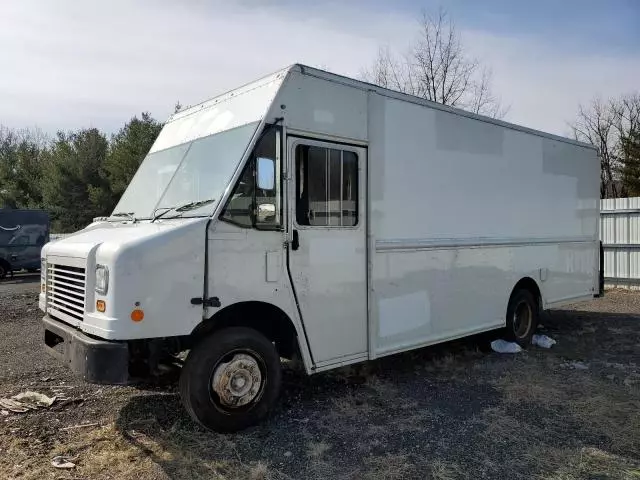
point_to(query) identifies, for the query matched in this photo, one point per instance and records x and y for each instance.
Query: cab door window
(327, 187)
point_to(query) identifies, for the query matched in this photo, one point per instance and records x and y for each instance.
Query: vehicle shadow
(20, 278)
(393, 417)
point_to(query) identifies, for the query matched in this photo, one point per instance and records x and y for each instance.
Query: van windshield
(191, 173)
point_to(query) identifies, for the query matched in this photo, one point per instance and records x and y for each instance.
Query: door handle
(295, 242)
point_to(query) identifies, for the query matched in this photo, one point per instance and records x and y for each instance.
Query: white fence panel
(620, 235)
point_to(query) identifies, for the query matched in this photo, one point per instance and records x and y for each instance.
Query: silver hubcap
(238, 381)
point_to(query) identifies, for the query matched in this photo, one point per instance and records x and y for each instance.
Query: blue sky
(72, 63)
(595, 24)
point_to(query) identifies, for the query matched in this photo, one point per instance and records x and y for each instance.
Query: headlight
(102, 279)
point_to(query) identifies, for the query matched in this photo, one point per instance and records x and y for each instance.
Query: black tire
(4, 270)
(523, 314)
(216, 353)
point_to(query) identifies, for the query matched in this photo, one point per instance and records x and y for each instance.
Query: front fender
(158, 274)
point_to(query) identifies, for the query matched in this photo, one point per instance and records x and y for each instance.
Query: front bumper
(96, 361)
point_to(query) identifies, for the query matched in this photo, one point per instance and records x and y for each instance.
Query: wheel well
(529, 284)
(5, 264)
(264, 317)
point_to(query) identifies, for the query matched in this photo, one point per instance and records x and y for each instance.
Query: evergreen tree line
(76, 175)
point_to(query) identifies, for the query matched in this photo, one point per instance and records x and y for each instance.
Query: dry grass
(603, 409)
(316, 450)
(593, 463)
(384, 388)
(145, 451)
(388, 467)
(599, 405)
(559, 463)
(106, 453)
(529, 382)
(618, 418)
(443, 414)
(441, 470)
(260, 471)
(350, 406)
(102, 453)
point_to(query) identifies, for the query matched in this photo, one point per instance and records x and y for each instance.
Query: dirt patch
(448, 412)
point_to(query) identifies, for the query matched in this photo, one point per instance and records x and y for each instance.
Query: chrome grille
(66, 290)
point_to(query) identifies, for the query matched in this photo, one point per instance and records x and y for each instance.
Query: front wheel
(231, 379)
(522, 317)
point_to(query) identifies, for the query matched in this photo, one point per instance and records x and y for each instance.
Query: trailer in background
(23, 233)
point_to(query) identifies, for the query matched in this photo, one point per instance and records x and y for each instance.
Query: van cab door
(327, 249)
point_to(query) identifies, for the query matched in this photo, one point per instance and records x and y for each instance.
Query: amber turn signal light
(137, 315)
(101, 305)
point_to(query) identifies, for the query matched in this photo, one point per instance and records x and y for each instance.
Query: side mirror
(266, 212)
(266, 173)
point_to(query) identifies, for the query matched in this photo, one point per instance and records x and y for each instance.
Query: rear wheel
(231, 379)
(522, 317)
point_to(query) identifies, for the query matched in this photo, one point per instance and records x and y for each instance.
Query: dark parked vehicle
(22, 235)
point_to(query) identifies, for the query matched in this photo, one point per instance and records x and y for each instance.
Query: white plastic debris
(34, 398)
(502, 346)
(13, 406)
(63, 462)
(25, 401)
(542, 341)
(575, 365)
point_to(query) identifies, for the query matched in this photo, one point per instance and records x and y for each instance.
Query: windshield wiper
(183, 208)
(164, 210)
(192, 205)
(124, 214)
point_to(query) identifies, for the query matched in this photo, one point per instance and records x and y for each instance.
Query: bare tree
(627, 113)
(437, 68)
(604, 124)
(595, 125)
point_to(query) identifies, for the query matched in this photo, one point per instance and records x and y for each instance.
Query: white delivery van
(315, 215)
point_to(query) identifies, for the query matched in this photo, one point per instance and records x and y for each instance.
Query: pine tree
(23, 155)
(631, 163)
(72, 182)
(127, 150)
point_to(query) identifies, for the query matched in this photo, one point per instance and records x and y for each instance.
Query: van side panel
(319, 107)
(462, 209)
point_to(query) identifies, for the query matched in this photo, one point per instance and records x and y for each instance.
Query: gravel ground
(446, 412)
